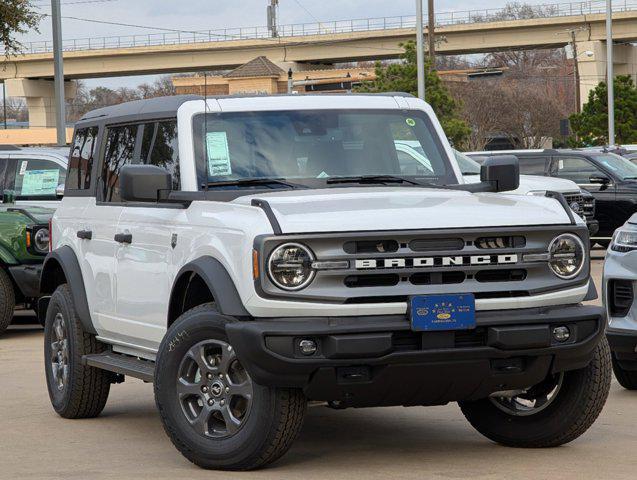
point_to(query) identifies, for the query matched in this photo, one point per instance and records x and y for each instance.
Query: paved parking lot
(127, 441)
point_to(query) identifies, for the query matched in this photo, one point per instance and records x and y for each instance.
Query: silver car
(620, 280)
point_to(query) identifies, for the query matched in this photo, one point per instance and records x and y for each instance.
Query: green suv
(24, 242)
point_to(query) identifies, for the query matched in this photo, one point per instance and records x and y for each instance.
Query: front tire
(564, 407)
(213, 412)
(75, 390)
(7, 301)
(626, 378)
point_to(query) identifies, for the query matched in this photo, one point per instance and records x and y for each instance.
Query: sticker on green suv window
(218, 154)
(40, 182)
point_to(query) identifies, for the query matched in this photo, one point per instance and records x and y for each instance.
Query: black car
(610, 178)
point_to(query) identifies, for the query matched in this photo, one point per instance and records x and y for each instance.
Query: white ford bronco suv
(250, 254)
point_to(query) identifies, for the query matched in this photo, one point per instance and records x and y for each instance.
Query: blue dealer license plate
(443, 312)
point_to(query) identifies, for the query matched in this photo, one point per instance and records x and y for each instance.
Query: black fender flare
(65, 258)
(218, 281)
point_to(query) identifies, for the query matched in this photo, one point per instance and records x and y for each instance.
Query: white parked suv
(248, 254)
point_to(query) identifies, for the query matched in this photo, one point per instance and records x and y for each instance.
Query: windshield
(467, 165)
(623, 168)
(313, 147)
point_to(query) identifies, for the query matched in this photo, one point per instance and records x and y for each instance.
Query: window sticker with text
(218, 154)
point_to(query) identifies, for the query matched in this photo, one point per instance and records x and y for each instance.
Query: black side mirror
(143, 183)
(599, 179)
(501, 172)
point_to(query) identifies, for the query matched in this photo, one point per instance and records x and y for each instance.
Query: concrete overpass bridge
(29, 75)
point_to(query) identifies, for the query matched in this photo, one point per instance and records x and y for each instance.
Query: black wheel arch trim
(67, 260)
(218, 281)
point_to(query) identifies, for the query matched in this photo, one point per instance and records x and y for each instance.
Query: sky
(215, 14)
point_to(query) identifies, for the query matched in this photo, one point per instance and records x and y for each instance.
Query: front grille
(390, 267)
(586, 205)
(621, 297)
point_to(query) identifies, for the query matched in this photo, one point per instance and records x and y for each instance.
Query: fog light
(561, 334)
(307, 347)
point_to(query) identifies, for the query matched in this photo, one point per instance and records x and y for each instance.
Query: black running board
(122, 364)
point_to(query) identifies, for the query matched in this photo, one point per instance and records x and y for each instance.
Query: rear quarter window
(81, 161)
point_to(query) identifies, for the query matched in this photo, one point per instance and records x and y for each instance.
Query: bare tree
(525, 112)
(479, 100)
(517, 11)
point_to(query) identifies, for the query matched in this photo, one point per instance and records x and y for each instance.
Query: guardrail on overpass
(177, 37)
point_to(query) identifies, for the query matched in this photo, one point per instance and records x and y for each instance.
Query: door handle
(85, 234)
(124, 237)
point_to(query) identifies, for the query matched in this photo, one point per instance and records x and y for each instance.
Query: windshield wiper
(246, 182)
(372, 179)
(470, 173)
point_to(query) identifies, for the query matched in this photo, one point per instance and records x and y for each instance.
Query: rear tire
(199, 380)
(577, 403)
(626, 378)
(7, 301)
(75, 390)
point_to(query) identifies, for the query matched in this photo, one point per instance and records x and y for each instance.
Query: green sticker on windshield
(411, 122)
(218, 154)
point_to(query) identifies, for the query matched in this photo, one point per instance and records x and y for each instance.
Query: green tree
(402, 77)
(591, 125)
(16, 17)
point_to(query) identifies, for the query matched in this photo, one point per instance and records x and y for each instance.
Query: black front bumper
(623, 345)
(27, 278)
(379, 360)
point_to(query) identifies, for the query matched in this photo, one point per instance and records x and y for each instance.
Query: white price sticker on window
(23, 166)
(218, 154)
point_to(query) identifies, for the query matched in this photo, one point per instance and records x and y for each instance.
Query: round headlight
(290, 266)
(566, 256)
(41, 240)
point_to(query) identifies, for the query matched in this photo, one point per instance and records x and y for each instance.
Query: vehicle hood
(534, 183)
(404, 208)
(39, 214)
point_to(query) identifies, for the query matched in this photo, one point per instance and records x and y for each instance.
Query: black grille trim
(621, 297)
(509, 275)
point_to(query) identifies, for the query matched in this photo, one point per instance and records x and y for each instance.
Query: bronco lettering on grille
(459, 260)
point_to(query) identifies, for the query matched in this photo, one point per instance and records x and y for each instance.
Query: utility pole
(575, 73)
(4, 103)
(272, 20)
(420, 51)
(609, 73)
(60, 107)
(431, 36)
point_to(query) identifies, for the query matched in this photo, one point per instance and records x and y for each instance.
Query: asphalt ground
(127, 441)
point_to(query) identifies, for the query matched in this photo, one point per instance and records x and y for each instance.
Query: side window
(160, 147)
(81, 161)
(576, 169)
(533, 165)
(38, 177)
(119, 151)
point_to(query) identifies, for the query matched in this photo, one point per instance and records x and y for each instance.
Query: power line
(298, 2)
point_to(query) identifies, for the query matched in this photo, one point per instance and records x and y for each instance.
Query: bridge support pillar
(592, 68)
(40, 98)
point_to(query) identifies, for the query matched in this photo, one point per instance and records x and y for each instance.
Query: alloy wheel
(213, 389)
(531, 401)
(60, 353)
